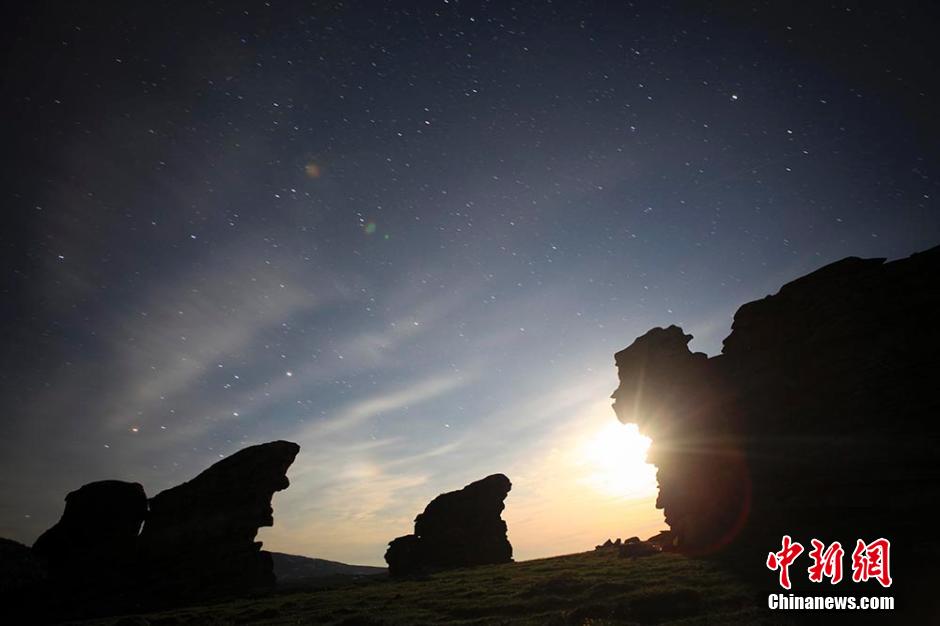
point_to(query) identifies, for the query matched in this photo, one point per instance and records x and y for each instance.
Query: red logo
(782, 560)
(869, 561)
(826, 563)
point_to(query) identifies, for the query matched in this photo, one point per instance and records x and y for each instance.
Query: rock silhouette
(199, 536)
(818, 418)
(676, 398)
(405, 557)
(197, 542)
(457, 529)
(633, 548)
(95, 540)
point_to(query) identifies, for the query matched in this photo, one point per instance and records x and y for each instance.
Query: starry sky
(411, 235)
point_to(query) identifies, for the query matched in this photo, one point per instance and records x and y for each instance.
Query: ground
(589, 588)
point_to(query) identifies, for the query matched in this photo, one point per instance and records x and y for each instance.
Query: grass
(591, 588)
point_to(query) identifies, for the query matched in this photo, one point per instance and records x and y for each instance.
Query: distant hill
(292, 568)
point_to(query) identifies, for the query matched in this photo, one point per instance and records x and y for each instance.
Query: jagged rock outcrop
(818, 418)
(197, 542)
(199, 539)
(95, 540)
(457, 529)
(678, 399)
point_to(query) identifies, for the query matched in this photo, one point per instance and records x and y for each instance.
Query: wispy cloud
(351, 495)
(362, 410)
(193, 324)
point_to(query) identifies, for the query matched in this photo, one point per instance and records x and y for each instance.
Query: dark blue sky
(412, 237)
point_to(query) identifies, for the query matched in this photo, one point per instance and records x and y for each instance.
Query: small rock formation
(630, 547)
(608, 544)
(664, 539)
(633, 548)
(199, 538)
(95, 540)
(457, 529)
(818, 418)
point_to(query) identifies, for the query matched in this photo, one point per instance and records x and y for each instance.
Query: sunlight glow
(574, 485)
(615, 457)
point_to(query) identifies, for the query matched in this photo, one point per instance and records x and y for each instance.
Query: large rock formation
(457, 529)
(199, 538)
(95, 540)
(87, 560)
(197, 542)
(677, 398)
(818, 418)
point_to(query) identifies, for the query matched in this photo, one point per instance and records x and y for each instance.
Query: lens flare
(312, 170)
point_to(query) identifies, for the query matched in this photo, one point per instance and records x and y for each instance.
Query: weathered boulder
(95, 540)
(457, 529)
(199, 539)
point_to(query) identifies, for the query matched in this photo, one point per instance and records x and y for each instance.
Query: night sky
(411, 235)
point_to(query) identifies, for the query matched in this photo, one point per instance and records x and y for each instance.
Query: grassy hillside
(588, 588)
